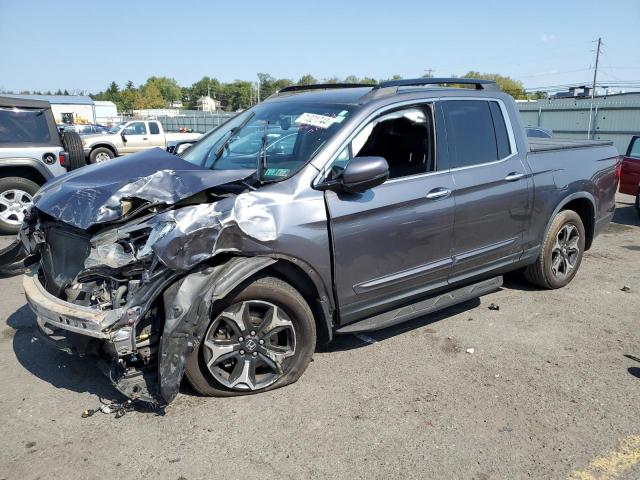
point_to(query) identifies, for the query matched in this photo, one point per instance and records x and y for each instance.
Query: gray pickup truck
(382, 203)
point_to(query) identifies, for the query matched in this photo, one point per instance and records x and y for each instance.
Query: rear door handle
(514, 176)
(439, 192)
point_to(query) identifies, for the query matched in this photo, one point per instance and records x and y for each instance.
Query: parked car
(538, 132)
(31, 152)
(630, 170)
(130, 137)
(229, 266)
(87, 129)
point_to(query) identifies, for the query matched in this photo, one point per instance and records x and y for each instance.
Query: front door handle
(514, 176)
(439, 192)
(145, 138)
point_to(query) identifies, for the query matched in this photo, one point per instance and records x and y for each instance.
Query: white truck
(130, 137)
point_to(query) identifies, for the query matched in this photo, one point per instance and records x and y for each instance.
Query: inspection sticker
(315, 120)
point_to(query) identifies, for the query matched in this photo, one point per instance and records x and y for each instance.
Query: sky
(84, 45)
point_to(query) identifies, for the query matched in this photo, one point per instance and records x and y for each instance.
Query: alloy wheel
(13, 206)
(247, 344)
(565, 252)
(102, 157)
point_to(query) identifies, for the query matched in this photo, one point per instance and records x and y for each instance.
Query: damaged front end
(117, 279)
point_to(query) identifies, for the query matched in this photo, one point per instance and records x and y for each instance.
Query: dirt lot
(547, 393)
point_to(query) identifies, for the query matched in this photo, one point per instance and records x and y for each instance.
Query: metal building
(609, 117)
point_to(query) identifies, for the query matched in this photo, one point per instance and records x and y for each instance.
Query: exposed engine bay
(120, 252)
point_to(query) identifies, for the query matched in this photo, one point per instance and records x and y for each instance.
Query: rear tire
(72, 144)
(561, 252)
(100, 154)
(16, 194)
(263, 351)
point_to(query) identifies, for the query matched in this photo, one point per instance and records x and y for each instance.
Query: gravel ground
(547, 393)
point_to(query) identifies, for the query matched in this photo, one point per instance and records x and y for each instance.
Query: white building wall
(106, 112)
(81, 113)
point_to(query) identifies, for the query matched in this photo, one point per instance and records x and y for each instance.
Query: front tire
(100, 154)
(16, 195)
(561, 252)
(261, 339)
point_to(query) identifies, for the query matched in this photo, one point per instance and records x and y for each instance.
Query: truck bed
(550, 144)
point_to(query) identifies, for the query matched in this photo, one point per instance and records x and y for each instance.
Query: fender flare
(28, 163)
(102, 144)
(564, 202)
(186, 315)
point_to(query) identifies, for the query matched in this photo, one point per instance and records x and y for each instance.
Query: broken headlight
(158, 231)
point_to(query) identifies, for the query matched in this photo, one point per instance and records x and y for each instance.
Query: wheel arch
(108, 146)
(307, 281)
(584, 205)
(25, 168)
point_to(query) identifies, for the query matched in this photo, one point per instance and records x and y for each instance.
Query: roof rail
(414, 82)
(322, 86)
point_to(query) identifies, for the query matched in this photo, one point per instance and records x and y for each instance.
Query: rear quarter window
(153, 128)
(23, 126)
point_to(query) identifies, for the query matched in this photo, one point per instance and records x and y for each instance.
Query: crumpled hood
(92, 195)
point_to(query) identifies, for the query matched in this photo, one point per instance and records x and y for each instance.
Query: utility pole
(593, 87)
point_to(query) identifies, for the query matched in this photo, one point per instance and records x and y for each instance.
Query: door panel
(492, 214)
(391, 243)
(492, 187)
(137, 137)
(630, 175)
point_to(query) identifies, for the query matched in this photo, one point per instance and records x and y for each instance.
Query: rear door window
(471, 132)
(23, 126)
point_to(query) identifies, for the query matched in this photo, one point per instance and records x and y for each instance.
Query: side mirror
(363, 173)
(124, 138)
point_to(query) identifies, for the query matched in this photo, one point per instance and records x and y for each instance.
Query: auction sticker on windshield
(315, 120)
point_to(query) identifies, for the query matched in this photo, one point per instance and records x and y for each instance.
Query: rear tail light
(619, 167)
(62, 158)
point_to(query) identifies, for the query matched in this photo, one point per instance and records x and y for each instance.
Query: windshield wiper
(262, 156)
(231, 134)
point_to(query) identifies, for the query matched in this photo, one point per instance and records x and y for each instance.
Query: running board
(432, 304)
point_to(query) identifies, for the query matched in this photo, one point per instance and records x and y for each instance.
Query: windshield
(276, 138)
(115, 129)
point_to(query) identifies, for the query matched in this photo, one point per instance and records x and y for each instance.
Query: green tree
(369, 80)
(508, 85)
(307, 80)
(168, 87)
(151, 97)
(236, 95)
(130, 99)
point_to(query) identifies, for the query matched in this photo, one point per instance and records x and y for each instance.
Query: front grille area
(63, 257)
